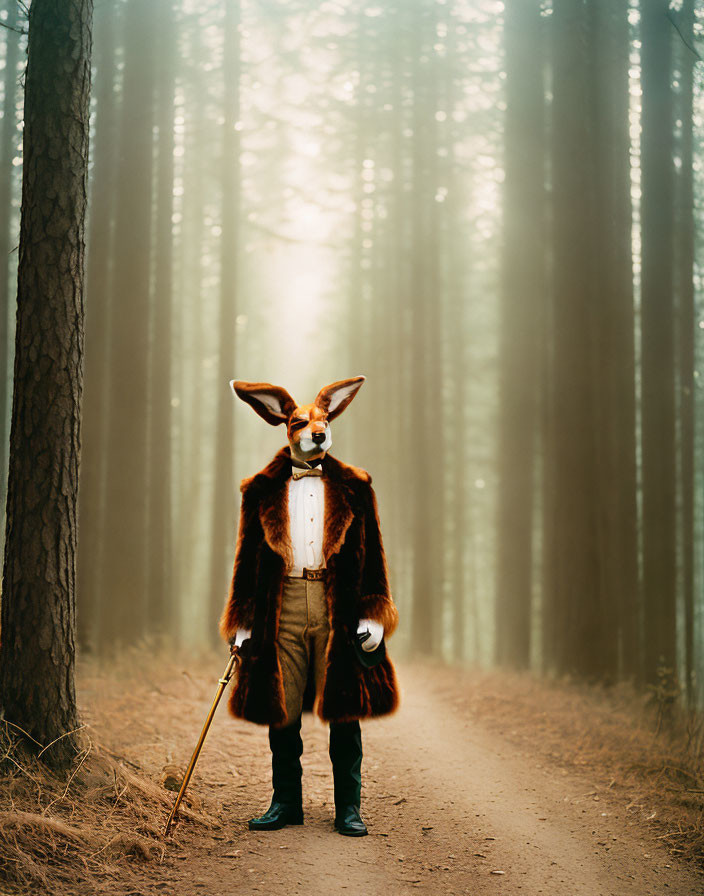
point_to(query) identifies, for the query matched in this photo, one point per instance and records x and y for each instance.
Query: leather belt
(313, 574)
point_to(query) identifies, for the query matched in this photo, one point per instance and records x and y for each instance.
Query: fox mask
(307, 425)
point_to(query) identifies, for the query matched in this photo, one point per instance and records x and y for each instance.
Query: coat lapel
(338, 516)
(274, 517)
(273, 514)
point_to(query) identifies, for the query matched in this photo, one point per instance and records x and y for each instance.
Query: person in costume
(309, 605)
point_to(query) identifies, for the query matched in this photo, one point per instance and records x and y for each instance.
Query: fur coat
(356, 587)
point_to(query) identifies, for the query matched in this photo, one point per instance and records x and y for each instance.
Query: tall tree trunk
(657, 341)
(190, 269)
(37, 655)
(98, 275)
(456, 262)
(571, 564)
(398, 264)
(160, 560)
(523, 290)
(8, 140)
(425, 429)
(223, 491)
(613, 373)
(123, 580)
(589, 463)
(685, 336)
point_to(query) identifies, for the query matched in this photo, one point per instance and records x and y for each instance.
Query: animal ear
(273, 403)
(335, 397)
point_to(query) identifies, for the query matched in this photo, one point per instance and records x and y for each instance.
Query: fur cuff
(380, 608)
(230, 621)
(227, 632)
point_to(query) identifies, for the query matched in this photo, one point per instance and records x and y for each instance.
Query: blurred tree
(98, 296)
(456, 277)
(657, 341)
(160, 616)
(123, 573)
(426, 440)
(570, 565)
(522, 311)
(590, 506)
(37, 654)
(686, 328)
(615, 380)
(223, 503)
(613, 347)
(190, 262)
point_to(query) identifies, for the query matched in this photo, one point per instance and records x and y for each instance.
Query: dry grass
(80, 831)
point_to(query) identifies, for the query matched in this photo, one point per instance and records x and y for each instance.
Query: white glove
(376, 633)
(242, 635)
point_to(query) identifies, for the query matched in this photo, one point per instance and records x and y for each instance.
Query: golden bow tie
(315, 471)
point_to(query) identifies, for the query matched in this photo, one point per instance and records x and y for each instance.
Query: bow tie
(316, 471)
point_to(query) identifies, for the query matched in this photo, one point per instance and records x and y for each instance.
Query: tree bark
(37, 655)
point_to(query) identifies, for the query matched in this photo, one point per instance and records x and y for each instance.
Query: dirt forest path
(451, 806)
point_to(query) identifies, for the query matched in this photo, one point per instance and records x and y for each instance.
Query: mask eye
(298, 424)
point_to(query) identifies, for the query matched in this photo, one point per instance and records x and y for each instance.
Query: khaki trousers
(303, 638)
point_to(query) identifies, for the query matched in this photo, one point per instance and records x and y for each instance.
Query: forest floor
(481, 783)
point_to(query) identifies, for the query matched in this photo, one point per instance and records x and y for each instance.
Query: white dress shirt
(306, 511)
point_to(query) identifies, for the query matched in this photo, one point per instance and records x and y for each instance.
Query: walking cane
(222, 684)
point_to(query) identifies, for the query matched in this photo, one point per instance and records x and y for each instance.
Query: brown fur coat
(356, 587)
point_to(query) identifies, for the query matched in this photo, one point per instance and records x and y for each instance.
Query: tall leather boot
(287, 802)
(346, 757)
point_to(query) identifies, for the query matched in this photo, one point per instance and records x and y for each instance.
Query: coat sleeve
(376, 600)
(239, 608)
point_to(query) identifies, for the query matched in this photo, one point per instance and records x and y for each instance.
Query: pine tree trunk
(613, 348)
(591, 582)
(657, 342)
(37, 655)
(224, 509)
(523, 293)
(190, 271)
(685, 332)
(571, 566)
(456, 280)
(425, 439)
(159, 618)
(123, 579)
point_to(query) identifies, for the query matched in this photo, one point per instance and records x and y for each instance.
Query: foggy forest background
(491, 210)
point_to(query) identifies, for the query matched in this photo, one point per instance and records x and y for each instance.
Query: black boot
(346, 756)
(287, 803)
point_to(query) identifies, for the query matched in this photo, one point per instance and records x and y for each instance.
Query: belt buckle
(313, 574)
